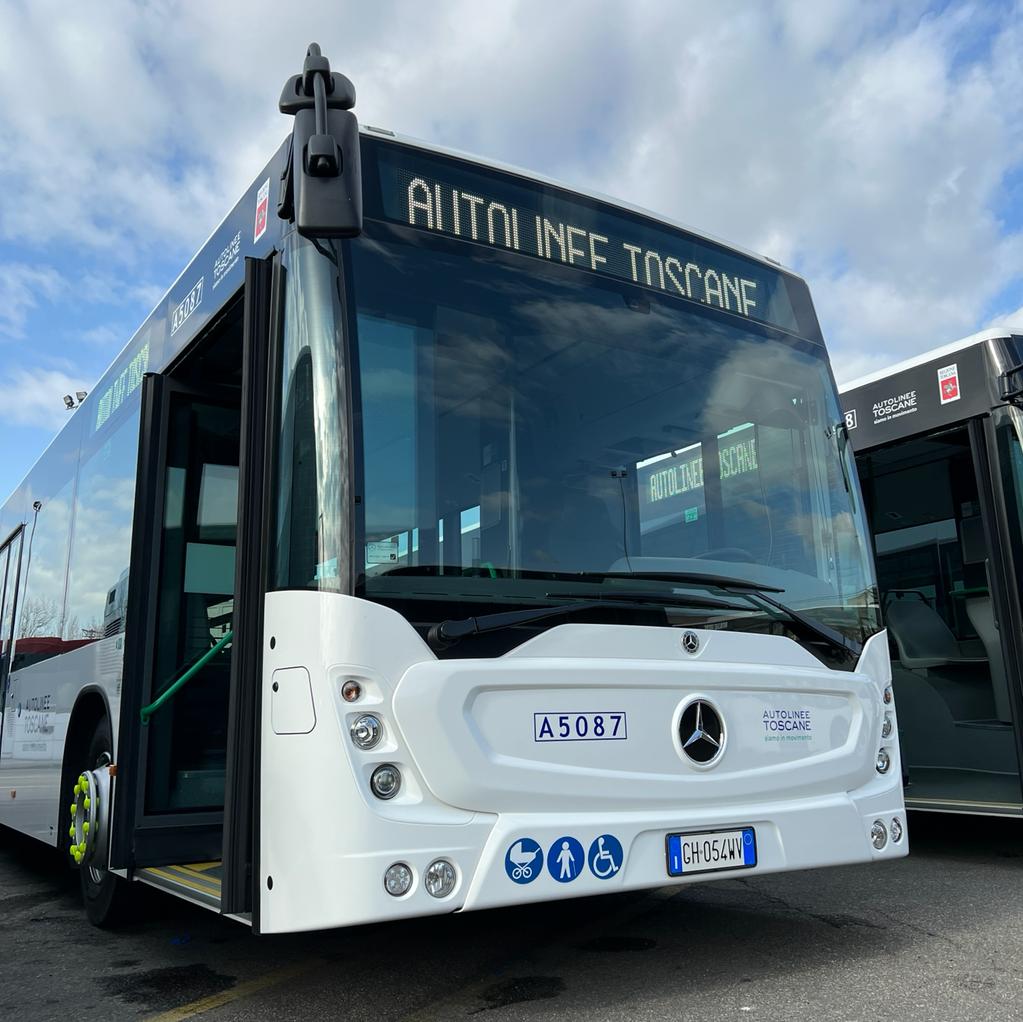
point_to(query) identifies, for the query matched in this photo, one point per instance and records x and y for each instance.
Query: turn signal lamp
(351, 690)
(884, 761)
(888, 697)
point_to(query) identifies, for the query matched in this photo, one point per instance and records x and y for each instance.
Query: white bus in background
(446, 538)
(937, 440)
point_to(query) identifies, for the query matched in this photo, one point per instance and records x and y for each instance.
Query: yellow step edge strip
(196, 882)
(200, 867)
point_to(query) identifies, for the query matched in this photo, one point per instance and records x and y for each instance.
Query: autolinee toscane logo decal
(787, 726)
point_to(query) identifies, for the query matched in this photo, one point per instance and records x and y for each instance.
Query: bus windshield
(514, 426)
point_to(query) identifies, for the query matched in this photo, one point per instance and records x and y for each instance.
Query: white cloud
(21, 288)
(34, 397)
(1011, 319)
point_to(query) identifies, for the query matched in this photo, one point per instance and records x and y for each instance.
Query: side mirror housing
(322, 190)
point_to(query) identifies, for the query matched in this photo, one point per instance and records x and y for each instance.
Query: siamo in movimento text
(467, 215)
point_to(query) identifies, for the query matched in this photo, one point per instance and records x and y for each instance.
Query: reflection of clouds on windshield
(758, 378)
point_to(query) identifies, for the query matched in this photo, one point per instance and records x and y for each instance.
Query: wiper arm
(695, 578)
(753, 591)
(811, 626)
(447, 633)
(641, 596)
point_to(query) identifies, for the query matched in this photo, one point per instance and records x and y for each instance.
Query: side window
(100, 550)
(41, 614)
(7, 555)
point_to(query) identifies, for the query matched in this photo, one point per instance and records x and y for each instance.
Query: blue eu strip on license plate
(711, 850)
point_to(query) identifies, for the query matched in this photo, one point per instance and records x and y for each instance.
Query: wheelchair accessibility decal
(523, 862)
(605, 857)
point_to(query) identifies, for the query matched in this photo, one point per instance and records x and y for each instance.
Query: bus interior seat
(981, 612)
(922, 637)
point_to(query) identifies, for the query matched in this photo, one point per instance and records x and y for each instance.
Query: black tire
(104, 894)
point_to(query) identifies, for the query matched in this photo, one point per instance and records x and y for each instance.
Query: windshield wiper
(447, 633)
(753, 591)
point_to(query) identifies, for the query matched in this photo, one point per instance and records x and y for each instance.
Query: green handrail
(174, 687)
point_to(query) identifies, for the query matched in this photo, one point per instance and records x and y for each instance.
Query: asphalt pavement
(936, 936)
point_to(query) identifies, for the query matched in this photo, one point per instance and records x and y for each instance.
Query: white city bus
(446, 538)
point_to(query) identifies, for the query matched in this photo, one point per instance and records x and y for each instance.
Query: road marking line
(238, 992)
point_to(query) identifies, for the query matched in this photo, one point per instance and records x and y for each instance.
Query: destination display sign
(463, 200)
(671, 485)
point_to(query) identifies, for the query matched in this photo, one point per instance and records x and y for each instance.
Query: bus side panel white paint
(32, 743)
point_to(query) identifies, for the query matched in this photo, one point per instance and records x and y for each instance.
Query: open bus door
(187, 751)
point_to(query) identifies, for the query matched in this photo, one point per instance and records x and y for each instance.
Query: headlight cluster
(366, 731)
(879, 833)
(884, 757)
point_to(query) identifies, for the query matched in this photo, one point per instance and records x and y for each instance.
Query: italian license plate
(711, 850)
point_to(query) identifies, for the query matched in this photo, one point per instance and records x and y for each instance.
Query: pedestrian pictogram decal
(565, 859)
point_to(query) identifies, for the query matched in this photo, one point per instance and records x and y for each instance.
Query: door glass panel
(188, 736)
(951, 687)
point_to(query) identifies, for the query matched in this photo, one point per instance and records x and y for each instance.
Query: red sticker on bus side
(262, 205)
(948, 383)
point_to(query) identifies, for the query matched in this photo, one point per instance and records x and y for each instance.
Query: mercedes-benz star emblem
(702, 732)
(690, 641)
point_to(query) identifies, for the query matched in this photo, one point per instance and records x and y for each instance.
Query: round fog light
(439, 878)
(365, 731)
(397, 879)
(350, 691)
(896, 830)
(886, 726)
(878, 835)
(884, 761)
(385, 781)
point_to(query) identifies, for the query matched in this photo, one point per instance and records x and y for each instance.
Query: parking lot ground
(937, 936)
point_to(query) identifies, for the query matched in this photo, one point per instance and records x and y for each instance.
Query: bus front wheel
(103, 893)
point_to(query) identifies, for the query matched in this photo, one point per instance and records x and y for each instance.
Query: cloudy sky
(877, 148)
